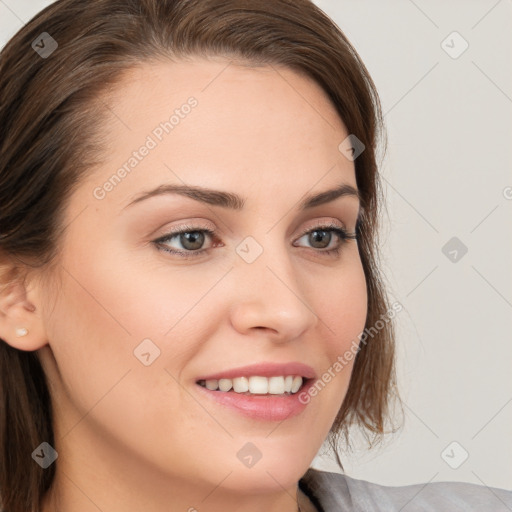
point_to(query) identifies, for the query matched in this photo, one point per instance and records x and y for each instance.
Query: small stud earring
(21, 331)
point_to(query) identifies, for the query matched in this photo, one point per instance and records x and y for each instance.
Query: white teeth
(241, 384)
(297, 383)
(212, 384)
(256, 385)
(288, 381)
(276, 385)
(225, 384)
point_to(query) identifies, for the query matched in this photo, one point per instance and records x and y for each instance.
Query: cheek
(342, 305)
(90, 347)
(106, 311)
(100, 317)
(342, 309)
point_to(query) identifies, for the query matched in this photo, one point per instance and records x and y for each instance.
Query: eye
(191, 239)
(322, 237)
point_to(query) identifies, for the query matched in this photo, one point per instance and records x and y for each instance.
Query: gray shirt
(335, 492)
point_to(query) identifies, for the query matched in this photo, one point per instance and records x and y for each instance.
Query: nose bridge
(268, 293)
(267, 262)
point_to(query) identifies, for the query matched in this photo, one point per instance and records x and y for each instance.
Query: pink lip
(262, 407)
(264, 370)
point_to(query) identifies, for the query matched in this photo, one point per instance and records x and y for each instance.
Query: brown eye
(192, 240)
(320, 239)
(186, 242)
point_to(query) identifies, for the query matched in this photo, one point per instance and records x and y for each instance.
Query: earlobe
(21, 331)
(21, 325)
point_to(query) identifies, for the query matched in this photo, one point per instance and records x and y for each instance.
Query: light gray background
(446, 175)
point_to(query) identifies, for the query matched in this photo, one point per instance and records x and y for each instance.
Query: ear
(21, 322)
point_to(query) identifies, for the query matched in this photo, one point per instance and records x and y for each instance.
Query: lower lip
(261, 407)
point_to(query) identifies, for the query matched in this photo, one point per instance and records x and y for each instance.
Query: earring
(21, 331)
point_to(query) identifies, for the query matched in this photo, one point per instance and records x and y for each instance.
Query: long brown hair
(50, 112)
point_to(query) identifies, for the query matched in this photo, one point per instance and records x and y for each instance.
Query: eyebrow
(235, 202)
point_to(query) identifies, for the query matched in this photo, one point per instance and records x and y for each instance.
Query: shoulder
(334, 491)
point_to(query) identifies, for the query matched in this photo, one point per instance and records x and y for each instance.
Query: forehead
(231, 81)
(213, 122)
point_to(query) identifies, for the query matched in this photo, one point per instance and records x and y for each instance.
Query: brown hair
(50, 113)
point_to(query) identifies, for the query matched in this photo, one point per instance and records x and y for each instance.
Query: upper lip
(264, 370)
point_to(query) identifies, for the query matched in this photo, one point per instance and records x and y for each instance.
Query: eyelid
(188, 226)
(322, 223)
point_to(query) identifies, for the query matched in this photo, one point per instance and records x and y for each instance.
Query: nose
(269, 296)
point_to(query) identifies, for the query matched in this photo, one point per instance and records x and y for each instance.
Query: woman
(189, 209)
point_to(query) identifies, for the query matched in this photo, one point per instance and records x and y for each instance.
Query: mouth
(257, 385)
(265, 391)
(269, 399)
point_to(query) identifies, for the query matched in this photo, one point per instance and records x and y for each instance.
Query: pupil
(318, 235)
(192, 240)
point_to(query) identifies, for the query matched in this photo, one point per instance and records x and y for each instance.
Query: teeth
(241, 384)
(296, 384)
(212, 384)
(276, 385)
(225, 384)
(256, 385)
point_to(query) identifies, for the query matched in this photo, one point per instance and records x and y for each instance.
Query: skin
(132, 437)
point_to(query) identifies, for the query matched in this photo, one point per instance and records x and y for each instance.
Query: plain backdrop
(443, 71)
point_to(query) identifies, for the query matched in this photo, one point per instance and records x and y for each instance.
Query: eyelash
(342, 234)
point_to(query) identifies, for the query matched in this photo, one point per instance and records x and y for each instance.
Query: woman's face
(133, 327)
